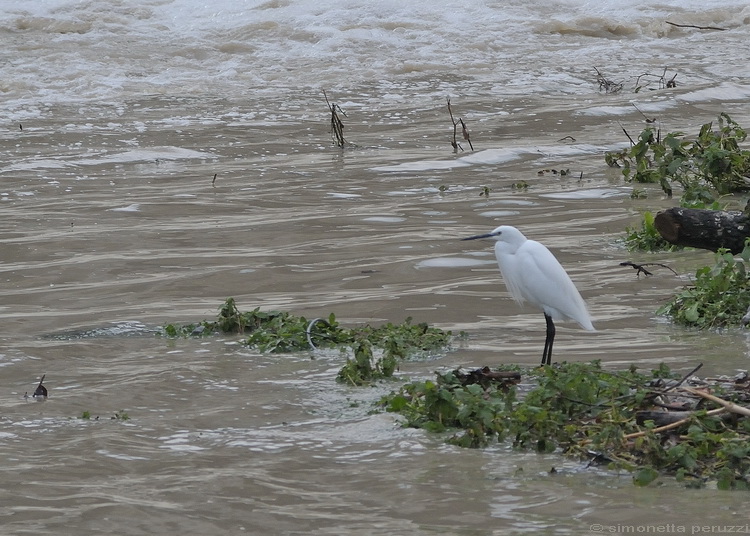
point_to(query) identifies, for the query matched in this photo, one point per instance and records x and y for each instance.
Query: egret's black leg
(547, 354)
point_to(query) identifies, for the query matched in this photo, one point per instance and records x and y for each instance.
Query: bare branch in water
(607, 85)
(464, 130)
(697, 27)
(337, 126)
(454, 143)
(661, 80)
(648, 120)
(626, 133)
(640, 268)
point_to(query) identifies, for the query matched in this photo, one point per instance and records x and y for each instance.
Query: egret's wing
(542, 281)
(511, 270)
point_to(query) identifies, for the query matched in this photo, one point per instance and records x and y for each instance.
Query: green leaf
(691, 313)
(645, 476)
(397, 403)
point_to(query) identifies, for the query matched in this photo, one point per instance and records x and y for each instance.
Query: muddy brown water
(112, 227)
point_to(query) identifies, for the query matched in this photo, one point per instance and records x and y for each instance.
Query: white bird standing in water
(533, 274)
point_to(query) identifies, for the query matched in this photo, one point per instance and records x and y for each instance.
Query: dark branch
(697, 27)
(337, 126)
(464, 130)
(640, 268)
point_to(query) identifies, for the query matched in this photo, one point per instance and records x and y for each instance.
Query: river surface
(158, 157)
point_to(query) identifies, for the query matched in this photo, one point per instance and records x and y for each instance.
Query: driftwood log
(704, 229)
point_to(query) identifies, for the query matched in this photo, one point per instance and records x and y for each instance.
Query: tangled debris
(650, 424)
(606, 85)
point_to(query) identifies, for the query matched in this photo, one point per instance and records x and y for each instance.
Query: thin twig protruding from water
(464, 130)
(337, 125)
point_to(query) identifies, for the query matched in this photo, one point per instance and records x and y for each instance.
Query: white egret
(533, 274)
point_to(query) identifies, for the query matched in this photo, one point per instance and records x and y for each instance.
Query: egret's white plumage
(533, 274)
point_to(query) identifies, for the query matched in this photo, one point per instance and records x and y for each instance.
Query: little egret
(532, 274)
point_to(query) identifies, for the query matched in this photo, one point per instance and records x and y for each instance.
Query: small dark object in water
(41, 390)
(639, 268)
(198, 330)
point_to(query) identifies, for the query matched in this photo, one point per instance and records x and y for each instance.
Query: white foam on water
(338, 195)
(498, 213)
(725, 91)
(384, 219)
(144, 155)
(493, 157)
(135, 207)
(64, 51)
(452, 262)
(591, 193)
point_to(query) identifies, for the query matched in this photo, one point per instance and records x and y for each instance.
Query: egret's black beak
(488, 235)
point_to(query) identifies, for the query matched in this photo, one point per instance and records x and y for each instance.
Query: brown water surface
(112, 227)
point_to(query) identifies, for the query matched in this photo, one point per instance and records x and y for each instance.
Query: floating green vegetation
(581, 410)
(707, 167)
(364, 367)
(647, 238)
(720, 295)
(119, 416)
(638, 193)
(376, 350)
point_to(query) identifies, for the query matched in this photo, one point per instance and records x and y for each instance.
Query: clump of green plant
(396, 342)
(447, 404)
(707, 450)
(363, 367)
(707, 167)
(581, 410)
(275, 332)
(483, 414)
(269, 331)
(704, 168)
(647, 238)
(720, 295)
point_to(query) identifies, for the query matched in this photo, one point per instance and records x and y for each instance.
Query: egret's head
(504, 233)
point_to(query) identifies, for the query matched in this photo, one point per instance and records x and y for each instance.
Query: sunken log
(704, 229)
